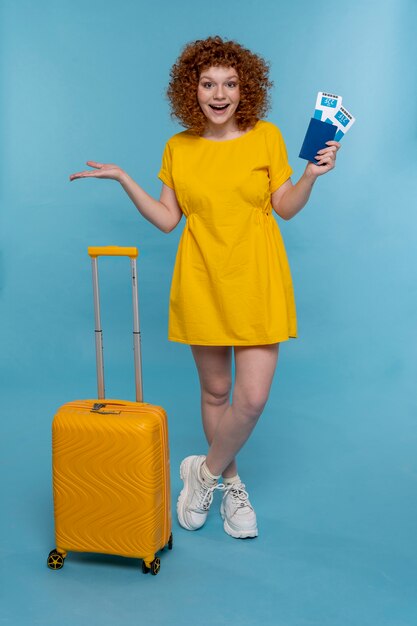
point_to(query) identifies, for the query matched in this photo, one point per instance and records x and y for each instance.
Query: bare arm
(164, 213)
(289, 199)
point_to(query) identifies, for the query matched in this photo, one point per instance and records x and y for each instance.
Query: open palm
(102, 170)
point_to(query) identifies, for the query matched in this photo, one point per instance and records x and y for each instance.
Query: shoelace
(238, 493)
(206, 495)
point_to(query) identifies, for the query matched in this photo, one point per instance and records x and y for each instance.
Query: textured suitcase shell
(111, 478)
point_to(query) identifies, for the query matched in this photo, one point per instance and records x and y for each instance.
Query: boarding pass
(329, 109)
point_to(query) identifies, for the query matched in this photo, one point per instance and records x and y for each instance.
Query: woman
(231, 286)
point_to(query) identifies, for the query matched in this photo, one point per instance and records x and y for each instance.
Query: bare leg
(214, 366)
(255, 367)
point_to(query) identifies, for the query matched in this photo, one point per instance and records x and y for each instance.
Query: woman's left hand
(326, 160)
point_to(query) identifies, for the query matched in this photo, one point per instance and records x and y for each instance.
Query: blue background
(331, 467)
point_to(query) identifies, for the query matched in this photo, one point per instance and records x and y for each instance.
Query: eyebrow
(228, 78)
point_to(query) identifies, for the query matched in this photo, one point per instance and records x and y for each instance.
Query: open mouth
(220, 107)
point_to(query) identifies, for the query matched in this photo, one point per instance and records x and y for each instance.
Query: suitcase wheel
(170, 542)
(55, 560)
(153, 567)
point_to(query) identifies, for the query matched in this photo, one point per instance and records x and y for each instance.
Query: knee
(251, 404)
(217, 392)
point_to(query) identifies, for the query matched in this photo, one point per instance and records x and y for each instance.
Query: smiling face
(218, 95)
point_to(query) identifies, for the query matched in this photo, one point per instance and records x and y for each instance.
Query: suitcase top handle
(95, 251)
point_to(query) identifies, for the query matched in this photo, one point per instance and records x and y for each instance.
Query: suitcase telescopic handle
(95, 252)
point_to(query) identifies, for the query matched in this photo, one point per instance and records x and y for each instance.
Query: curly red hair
(199, 55)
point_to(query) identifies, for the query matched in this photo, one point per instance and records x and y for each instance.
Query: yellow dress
(231, 284)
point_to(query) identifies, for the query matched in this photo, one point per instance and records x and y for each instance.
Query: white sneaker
(237, 512)
(196, 497)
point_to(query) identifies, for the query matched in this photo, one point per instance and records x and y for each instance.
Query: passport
(317, 134)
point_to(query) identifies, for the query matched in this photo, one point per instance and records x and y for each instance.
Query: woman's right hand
(102, 170)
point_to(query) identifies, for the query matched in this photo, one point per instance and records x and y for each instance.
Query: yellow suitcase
(110, 459)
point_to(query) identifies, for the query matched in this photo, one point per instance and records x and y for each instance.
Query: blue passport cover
(317, 134)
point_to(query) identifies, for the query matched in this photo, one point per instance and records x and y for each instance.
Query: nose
(218, 94)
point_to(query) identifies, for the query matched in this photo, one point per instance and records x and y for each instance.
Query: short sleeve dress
(231, 283)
